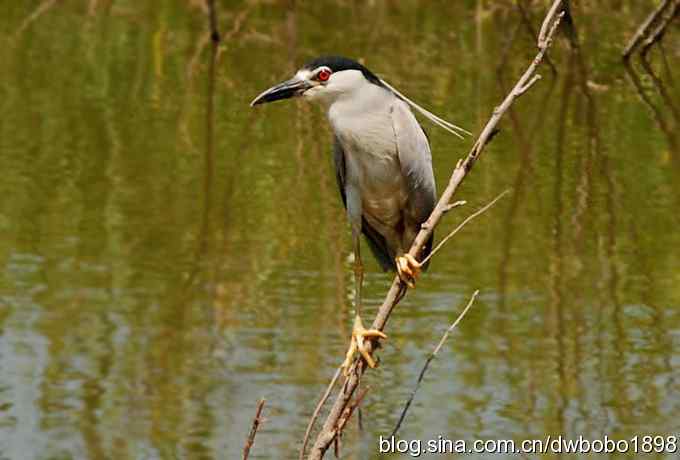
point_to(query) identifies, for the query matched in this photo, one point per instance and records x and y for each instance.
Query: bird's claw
(360, 336)
(408, 269)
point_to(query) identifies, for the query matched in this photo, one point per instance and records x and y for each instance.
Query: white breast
(363, 124)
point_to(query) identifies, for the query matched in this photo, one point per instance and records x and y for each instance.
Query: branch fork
(523, 89)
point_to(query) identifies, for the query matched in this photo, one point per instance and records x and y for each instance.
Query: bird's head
(325, 79)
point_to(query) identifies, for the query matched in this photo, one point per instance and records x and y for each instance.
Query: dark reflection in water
(169, 255)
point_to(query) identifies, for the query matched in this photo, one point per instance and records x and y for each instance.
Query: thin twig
(663, 124)
(430, 358)
(39, 11)
(546, 32)
(328, 432)
(462, 224)
(346, 416)
(644, 28)
(350, 410)
(257, 421)
(455, 205)
(529, 84)
(238, 24)
(657, 34)
(317, 410)
(660, 87)
(526, 19)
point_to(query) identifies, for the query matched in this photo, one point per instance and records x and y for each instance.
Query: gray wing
(416, 162)
(415, 159)
(376, 242)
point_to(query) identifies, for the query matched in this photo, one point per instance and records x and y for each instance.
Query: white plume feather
(450, 127)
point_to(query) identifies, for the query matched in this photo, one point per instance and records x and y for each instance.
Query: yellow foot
(360, 335)
(408, 269)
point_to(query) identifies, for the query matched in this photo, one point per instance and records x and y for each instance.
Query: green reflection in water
(169, 255)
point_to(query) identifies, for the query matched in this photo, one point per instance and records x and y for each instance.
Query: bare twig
(317, 410)
(657, 34)
(546, 32)
(664, 125)
(350, 410)
(430, 358)
(660, 87)
(257, 421)
(39, 11)
(529, 84)
(345, 418)
(329, 431)
(462, 224)
(526, 19)
(449, 207)
(645, 27)
(238, 24)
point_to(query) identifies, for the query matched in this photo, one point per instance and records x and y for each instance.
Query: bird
(383, 167)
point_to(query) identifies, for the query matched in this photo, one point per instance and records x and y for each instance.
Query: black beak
(285, 90)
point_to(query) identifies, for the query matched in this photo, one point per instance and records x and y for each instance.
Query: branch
(315, 415)
(547, 31)
(430, 359)
(644, 28)
(462, 224)
(39, 11)
(526, 19)
(257, 421)
(657, 34)
(329, 431)
(449, 207)
(345, 418)
(529, 84)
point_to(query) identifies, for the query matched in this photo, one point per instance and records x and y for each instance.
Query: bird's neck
(359, 101)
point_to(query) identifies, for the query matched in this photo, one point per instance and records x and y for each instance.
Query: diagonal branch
(317, 410)
(345, 418)
(329, 430)
(657, 34)
(481, 210)
(644, 30)
(257, 421)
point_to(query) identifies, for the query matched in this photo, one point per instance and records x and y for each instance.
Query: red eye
(323, 75)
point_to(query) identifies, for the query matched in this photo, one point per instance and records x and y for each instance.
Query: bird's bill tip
(289, 88)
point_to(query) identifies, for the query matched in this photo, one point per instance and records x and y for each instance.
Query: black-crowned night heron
(383, 167)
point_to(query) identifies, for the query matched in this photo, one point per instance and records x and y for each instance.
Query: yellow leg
(408, 269)
(360, 337)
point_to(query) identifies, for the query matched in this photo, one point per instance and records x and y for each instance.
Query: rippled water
(169, 255)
